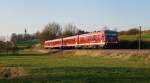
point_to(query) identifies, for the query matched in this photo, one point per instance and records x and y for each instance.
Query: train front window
(111, 37)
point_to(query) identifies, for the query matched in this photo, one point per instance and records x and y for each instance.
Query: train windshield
(111, 36)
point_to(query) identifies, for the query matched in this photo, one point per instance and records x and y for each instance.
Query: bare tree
(70, 30)
(37, 35)
(51, 31)
(14, 37)
(2, 38)
(133, 31)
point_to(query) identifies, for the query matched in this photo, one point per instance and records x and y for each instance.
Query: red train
(95, 39)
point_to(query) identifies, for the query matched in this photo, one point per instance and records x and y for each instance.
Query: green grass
(48, 68)
(145, 37)
(26, 43)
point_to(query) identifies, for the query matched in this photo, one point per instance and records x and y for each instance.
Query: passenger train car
(94, 39)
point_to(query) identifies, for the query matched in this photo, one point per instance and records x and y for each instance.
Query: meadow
(145, 37)
(63, 67)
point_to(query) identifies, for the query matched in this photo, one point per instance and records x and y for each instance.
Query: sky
(89, 15)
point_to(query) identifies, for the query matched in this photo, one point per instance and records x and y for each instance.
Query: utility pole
(140, 36)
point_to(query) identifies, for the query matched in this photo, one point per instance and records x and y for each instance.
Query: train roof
(70, 37)
(53, 40)
(92, 33)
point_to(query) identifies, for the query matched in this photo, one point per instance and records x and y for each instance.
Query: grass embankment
(28, 43)
(63, 67)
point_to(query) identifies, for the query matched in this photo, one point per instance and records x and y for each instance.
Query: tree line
(133, 31)
(51, 31)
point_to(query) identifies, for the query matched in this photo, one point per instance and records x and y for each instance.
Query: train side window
(89, 38)
(101, 36)
(82, 39)
(94, 37)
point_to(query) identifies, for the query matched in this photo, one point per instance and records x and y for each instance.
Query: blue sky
(90, 15)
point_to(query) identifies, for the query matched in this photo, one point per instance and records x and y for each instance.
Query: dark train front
(111, 39)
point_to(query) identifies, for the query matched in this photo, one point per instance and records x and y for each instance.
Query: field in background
(145, 37)
(81, 66)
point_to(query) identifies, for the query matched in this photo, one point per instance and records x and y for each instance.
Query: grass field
(64, 68)
(27, 43)
(145, 37)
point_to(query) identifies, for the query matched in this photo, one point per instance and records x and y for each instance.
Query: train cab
(111, 38)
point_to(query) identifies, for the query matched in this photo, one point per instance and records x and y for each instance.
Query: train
(100, 39)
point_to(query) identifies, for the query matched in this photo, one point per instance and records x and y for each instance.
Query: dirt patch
(120, 54)
(12, 72)
(147, 59)
(43, 51)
